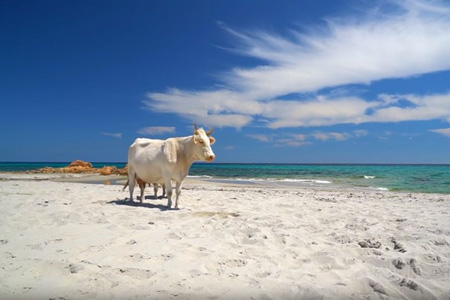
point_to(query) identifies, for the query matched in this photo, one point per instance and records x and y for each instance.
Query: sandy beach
(72, 240)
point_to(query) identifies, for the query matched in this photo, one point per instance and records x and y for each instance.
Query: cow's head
(202, 144)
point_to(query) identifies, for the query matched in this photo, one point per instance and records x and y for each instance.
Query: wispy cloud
(325, 136)
(260, 137)
(360, 133)
(411, 40)
(296, 140)
(156, 130)
(443, 131)
(115, 135)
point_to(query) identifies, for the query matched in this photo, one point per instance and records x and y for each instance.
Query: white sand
(80, 241)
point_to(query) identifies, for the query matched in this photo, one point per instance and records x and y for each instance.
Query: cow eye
(201, 141)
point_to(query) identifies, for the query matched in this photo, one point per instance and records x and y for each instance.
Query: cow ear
(170, 151)
(212, 140)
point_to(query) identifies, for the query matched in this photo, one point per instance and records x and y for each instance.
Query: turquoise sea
(412, 178)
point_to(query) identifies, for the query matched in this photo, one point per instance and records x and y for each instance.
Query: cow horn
(211, 131)
(195, 128)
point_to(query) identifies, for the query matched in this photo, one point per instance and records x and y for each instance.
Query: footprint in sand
(136, 273)
(415, 266)
(233, 263)
(377, 287)
(399, 263)
(398, 246)
(410, 284)
(75, 268)
(137, 257)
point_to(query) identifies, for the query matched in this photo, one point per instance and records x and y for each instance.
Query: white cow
(165, 160)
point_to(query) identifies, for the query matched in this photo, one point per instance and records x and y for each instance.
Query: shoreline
(227, 241)
(403, 178)
(115, 179)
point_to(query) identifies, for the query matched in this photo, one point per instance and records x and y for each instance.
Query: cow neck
(185, 150)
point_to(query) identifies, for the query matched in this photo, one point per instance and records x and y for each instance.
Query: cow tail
(126, 184)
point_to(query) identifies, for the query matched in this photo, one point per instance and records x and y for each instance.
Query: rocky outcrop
(79, 166)
(80, 163)
(108, 170)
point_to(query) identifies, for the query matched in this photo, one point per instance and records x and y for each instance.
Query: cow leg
(155, 189)
(178, 190)
(169, 191)
(164, 190)
(142, 187)
(131, 183)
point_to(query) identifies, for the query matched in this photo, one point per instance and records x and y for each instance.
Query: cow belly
(149, 173)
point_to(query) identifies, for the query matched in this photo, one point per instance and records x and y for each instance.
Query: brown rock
(80, 163)
(77, 169)
(47, 170)
(107, 170)
(79, 166)
(123, 171)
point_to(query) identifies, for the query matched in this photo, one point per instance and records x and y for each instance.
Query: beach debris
(369, 244)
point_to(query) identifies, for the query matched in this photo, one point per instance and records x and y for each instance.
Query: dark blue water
(413, 178)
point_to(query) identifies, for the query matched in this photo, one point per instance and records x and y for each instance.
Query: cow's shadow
(137, 203)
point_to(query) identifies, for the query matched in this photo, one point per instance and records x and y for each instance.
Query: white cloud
(260, 137)
(300, 137)
(443, 131)
(316, 112)
(115, 135)
(325, 136)
(219, 108)
(377, 46)
(411, 40)
(426, 107)
(157, 130)
(218, 120)
(360, 133)
(297, 140)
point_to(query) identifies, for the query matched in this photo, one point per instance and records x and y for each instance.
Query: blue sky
(282, 81)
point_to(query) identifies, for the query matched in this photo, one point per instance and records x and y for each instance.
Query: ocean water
(412, 178)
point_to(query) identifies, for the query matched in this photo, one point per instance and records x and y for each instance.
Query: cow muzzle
(210, 158)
